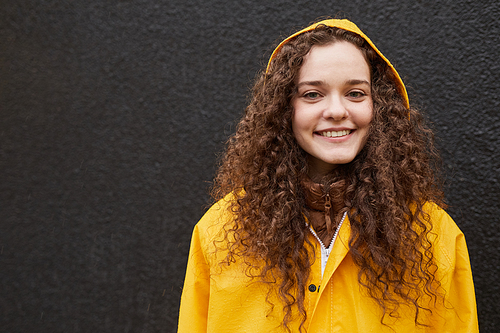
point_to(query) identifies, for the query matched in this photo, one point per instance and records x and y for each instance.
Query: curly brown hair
(389, 181)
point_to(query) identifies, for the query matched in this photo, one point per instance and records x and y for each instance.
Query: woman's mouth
(334, 134)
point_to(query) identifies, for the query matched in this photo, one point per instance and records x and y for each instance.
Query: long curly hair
(389, 181)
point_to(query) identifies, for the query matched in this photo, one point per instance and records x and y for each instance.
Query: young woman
(329, 215)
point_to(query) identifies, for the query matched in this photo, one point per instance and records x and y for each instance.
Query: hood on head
(349, 26)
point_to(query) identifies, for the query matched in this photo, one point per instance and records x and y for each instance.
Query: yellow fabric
(223, 299)
(349, 26)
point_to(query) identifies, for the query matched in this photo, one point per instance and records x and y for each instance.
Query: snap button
(312, 288)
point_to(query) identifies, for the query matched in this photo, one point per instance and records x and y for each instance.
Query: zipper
(325, 252)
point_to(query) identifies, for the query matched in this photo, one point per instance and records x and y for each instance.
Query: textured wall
(112, 116)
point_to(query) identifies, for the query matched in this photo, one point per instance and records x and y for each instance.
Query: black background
(113, 113)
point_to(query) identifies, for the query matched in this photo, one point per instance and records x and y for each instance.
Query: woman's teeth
(334, 134)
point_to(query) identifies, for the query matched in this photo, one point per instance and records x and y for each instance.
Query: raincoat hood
(349, 26)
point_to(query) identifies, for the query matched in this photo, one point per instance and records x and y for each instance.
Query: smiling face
(333, 106)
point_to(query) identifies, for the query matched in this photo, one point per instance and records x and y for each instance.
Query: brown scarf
(323, 207)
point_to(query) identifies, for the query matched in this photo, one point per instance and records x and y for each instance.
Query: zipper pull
(328, 219)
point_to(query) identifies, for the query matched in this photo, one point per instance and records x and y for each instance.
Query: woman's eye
(356, 94)
(312, 95)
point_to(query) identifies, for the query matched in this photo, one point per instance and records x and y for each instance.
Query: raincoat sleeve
(196, 291)
(460, 300)
(462, 290)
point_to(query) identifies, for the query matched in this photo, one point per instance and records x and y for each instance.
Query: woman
(329, 213)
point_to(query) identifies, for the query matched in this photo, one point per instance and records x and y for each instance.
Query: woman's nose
(335, 108)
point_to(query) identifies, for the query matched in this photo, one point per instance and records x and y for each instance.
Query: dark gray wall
(112, 115)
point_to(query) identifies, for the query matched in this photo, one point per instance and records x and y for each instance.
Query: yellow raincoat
(220, 300)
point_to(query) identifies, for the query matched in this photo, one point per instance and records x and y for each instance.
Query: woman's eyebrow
(311, 83)
(351, 82)
(354, 82)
